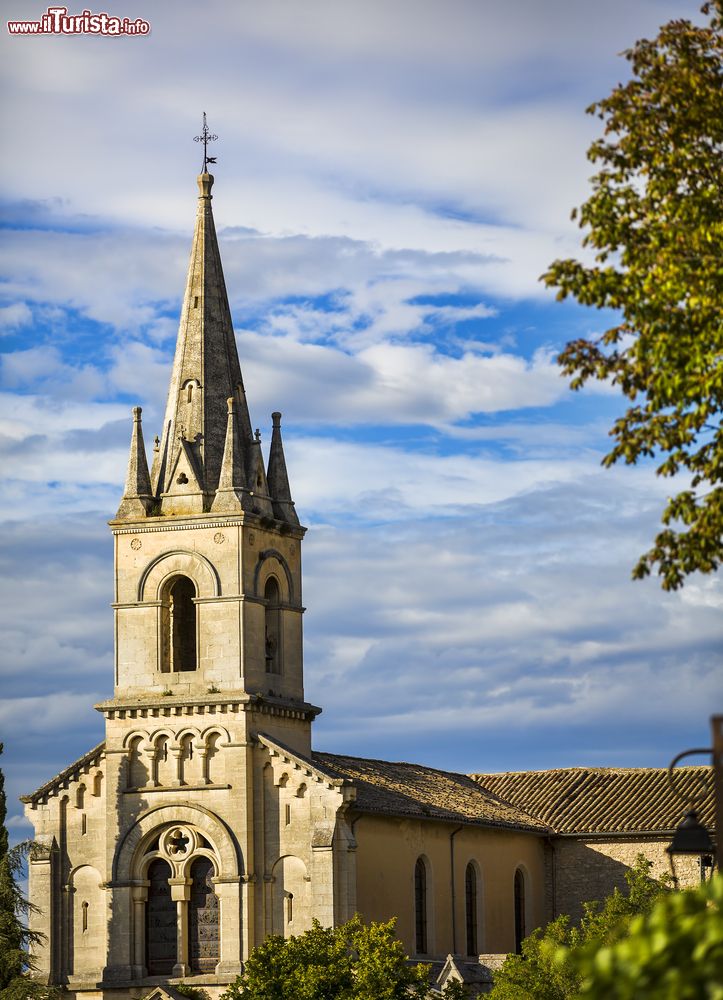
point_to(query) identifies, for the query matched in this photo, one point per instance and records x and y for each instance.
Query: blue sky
(392, 179)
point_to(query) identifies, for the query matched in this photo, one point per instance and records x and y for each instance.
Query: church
(205, 821)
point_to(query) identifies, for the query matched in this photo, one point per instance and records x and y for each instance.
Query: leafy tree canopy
(654, 223)
(354, 961)
(548, 968)
(673, 952)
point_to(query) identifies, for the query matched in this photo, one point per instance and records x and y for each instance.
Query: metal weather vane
(205, 137)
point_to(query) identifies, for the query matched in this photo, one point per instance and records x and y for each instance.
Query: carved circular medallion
(219, 538)
(178, 842)
(135, 544)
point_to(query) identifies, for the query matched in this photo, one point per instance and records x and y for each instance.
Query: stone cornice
(215, 599)
(182, 522)
(221, 704)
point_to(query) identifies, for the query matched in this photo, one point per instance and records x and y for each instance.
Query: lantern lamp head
(691, 837)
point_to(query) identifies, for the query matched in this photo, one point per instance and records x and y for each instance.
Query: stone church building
(205, 821)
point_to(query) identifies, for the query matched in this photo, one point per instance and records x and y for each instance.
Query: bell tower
(178, 845)
(208, 542)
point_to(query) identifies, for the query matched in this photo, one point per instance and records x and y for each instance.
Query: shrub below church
(552, 964)
(355, 961)
(674, 952)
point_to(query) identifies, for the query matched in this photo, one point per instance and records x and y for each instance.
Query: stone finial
(137, 495)
(205, 183)
(278, 478)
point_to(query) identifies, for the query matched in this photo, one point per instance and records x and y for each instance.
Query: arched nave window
(420, 907)
(178, 624)
(470, 901)
(519, 910)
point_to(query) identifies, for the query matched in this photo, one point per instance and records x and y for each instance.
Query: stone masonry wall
(587, 869)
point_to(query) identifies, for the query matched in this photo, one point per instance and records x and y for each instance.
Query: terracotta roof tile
(606, 799)
(413, 790)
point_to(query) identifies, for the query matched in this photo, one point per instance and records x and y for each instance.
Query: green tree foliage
(354, 961)
(454, 990)
(654, 223)
(674, 952)
(15, 938)
(548, 968)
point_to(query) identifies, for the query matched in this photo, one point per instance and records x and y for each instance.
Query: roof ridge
(592, 769)
(395, 763)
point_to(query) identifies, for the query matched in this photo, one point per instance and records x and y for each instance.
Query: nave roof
(416, 791)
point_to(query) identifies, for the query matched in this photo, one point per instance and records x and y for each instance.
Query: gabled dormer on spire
(278, 478)
(137, 496)
(257, 479)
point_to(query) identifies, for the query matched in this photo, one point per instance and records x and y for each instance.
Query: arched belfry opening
(272, 631)
(179, 643)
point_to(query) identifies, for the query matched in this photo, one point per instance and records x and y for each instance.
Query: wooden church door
(160, 921)
(203, 919)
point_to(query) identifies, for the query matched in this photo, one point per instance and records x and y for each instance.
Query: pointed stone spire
(206, 371)
(232, 496)
(278, 478)
(137, 495)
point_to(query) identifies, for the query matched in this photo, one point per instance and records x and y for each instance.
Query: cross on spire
(205, 137)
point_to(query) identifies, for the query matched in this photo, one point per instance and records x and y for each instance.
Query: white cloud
(391, 383)
(402, 125)
(43, 714)
(512, 617)
(14, 316)
(22, 415)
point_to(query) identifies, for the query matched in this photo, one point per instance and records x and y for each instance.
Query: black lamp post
(691, 838)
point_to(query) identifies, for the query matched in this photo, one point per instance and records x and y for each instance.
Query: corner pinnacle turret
(207, 457)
